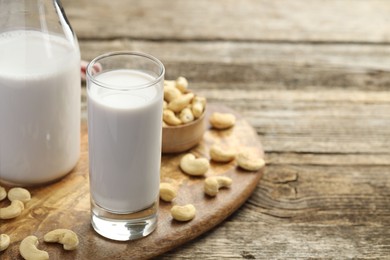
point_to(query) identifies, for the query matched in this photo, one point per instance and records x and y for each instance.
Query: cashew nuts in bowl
(183, 117)
(178, 104)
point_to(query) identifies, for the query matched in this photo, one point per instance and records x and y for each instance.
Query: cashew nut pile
(180, 105)
(214, 183)
(183, 213)
(194, 166)
(167, 191)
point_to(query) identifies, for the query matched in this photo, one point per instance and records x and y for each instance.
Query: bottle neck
(46, 16)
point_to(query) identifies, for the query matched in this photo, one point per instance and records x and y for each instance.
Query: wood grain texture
(281, 20)
(65, 204)
(253, 66)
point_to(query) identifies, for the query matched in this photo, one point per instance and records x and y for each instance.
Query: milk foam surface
(39, 107)
(124, 140)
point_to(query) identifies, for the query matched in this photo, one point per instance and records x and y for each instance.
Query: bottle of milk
(39, 92)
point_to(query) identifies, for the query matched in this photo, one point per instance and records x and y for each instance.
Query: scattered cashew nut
(194, 166)
(214, 183)
(167, 191)
(183, 213)
(29, 251)
(249, 162)
(4, 242)
(12, 211)
(19, 194)
(181, 102)
(182, 84)
(3, 193)
(63, 236)
(170, 118)
(222, 120)
(220, 154)
(186, 115)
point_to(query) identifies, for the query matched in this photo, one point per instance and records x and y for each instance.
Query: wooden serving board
(65, 203)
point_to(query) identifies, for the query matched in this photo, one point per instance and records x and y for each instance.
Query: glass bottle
(39, 92)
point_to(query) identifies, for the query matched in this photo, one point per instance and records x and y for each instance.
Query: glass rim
(125, 53)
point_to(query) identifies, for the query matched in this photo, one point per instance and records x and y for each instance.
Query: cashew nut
(220, 154)
(63, 236)
(4, 242)
(167, 191)
(183, 213)
(194, 166)
(186, 115)
(222, 120)
(181, 102)
(165, 104)
(182, 84)
(12, 211)
(171, 93)
(29, 251)
(198, 105)
(214, 183)
(169, 83)
(3, 193)
(19, 194)
(249, 162)
(170, 118)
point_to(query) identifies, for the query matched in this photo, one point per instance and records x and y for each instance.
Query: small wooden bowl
(176, 139)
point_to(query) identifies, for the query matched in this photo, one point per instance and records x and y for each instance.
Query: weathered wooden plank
(282, 20)
(261, 240)
(263, 65)
(361, 160)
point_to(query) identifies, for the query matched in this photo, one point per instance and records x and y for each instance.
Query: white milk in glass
(124, 140)
(39, 107)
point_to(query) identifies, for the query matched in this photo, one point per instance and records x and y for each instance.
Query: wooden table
(312, 77)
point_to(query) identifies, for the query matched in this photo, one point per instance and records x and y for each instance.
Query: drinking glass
(125, 99)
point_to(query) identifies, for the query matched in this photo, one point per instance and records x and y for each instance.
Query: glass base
(124, 227)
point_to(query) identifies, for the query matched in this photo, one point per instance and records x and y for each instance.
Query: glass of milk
(125, 100)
